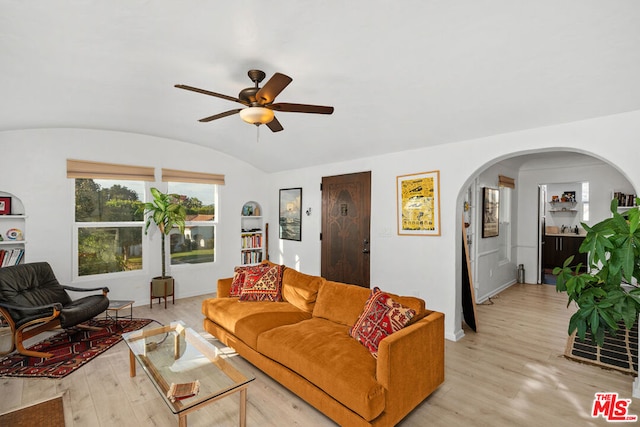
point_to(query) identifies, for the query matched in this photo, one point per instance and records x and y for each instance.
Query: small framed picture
(490, 212)
(291, 214)
(5, 205)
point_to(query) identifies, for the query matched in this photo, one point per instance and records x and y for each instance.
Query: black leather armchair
(33, 301)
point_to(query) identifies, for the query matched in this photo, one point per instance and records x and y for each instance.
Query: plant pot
(162, 287)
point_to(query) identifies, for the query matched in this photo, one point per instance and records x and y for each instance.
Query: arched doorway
(492, 274)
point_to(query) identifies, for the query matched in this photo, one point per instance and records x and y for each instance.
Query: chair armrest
(104, 289)
(410, 362)
(35, 309)
(224, 287)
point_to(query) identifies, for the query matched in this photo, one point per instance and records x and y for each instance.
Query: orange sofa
(304, 344)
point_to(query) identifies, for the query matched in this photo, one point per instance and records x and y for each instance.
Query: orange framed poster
(419, 204)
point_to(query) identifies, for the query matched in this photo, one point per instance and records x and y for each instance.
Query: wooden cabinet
(557, 248)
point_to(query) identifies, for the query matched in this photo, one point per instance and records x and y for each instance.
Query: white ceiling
(401, 75)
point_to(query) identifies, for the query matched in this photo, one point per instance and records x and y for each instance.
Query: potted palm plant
(166, 213)
(608, 293)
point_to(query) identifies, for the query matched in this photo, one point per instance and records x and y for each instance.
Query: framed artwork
(5, 205)
(291, 214)
(490, 212)
(419, 204)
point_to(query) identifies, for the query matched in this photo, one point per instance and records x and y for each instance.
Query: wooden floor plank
(511, 373)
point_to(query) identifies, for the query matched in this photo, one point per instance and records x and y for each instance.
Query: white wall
(491, 274)
(572, 217)
(34, 169)
(429, 267)
(603, 179)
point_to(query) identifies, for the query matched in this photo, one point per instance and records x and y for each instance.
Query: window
(109, 222)
(504, 235)
(108, 228)
(585, 201)
(197, 243)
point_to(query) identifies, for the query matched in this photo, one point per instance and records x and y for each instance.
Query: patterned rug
(71, 349)
(619, 353)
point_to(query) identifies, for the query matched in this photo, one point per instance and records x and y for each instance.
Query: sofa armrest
(410, 362)
(224, 287)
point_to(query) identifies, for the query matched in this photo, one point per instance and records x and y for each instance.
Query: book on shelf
(251, 257)
(183, 390)
(625, 200)
(11, 257)
(250, 241)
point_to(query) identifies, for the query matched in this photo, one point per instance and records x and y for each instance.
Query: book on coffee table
(183, 390)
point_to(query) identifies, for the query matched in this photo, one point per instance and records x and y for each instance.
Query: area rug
(619, 353)
(71, 349)
(49, 413)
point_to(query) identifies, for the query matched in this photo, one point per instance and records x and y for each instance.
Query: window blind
(505, 181)
(174, 175)
(87, 169)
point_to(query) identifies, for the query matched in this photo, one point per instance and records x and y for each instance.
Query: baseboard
(495, 292)
(456, 336)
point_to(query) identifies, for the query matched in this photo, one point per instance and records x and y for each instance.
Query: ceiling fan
(259, 101)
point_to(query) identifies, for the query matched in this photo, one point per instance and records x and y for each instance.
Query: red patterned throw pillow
(381, 317)
(239, 273)
(263, 284)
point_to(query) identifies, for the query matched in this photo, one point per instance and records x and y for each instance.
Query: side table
(116, 306)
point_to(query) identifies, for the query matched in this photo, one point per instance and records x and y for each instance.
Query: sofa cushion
(323, 352)
(380, 317)
(300, 289)
(343, 303)
(263, 284)
(248, 320)
(340, 302)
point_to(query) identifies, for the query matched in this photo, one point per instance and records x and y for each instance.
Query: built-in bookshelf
(625, 201)
(12, 230)
(252, 234)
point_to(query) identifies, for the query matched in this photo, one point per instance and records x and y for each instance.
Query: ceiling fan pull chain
(257, 134)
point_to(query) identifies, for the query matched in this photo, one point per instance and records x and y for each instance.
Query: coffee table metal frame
(160, 350)
(117, 305)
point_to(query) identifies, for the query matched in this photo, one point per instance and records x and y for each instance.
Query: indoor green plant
(166, 212)
(608, 292)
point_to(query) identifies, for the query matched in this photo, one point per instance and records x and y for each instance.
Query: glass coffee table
(177, 355)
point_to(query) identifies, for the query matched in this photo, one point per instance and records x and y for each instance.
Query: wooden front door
(346, 218)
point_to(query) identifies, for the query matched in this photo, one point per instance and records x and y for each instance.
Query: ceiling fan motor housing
(249, 95)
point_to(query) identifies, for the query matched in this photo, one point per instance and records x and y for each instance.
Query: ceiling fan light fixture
(256, 115)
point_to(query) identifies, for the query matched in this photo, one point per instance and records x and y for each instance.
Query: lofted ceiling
(401, 75)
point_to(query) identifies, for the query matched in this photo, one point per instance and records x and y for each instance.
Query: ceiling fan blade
(301, 108)
(272, 88)
(208, 92)
(274, 125)
(220, 115)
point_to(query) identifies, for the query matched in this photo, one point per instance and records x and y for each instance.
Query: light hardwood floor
(511, 373)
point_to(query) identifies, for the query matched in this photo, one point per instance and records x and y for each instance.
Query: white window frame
(213, 223)
(504, 235)
(75, 234)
